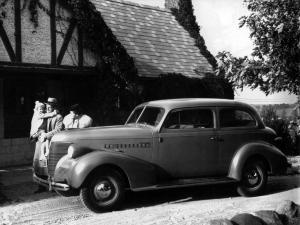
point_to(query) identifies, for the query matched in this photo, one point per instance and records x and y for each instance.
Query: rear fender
(139, 173)
(275, 159)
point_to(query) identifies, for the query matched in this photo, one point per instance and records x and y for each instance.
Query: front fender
(139, 173)
(277, 162)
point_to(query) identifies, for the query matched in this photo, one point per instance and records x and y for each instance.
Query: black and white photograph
(157, 112)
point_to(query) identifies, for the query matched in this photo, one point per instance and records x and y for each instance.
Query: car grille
(57, 150)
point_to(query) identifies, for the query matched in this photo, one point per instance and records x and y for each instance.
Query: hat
(52, 101)
(76, 108)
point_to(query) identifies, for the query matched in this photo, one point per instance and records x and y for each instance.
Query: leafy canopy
(274, 64)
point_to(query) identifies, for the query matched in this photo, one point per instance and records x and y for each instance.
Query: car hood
(105, 132)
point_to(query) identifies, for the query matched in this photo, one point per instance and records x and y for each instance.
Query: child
(38, 125)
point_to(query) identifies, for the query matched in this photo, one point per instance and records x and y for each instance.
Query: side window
(172, 121)
(236, 118)
(189, 119)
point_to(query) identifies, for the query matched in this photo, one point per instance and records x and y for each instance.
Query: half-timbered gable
(44, 52)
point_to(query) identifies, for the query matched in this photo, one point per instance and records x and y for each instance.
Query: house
(52, 48)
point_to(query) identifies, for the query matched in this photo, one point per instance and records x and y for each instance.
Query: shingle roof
(154, 38)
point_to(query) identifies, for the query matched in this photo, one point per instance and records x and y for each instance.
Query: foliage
(31, 5)
(178, 86)
(280, 126)
(118, 83)
(275, 63)
(185, 16)
(187, 87)
(268, 113)
(116, 69)
(2, 9)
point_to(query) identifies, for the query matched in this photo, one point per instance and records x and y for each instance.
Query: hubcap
(253, 177)
(103, 190)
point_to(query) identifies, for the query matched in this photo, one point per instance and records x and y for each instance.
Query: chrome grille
(57, 150)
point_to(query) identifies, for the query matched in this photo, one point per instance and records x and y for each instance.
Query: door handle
(213, 138)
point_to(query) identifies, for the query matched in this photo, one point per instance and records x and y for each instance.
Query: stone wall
(15, 152)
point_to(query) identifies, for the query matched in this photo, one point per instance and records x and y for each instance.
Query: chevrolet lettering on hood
(133, 145)
(163, 144)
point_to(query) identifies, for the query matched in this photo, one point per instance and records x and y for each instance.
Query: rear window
(236, 118)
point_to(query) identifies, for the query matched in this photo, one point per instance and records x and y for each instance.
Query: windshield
(149, 116)
(135, 115)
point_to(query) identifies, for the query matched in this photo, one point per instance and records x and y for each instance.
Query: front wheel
(254, 179)
(103, 192)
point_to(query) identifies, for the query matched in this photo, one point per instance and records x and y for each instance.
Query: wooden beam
(7, 43)
(80, 47)
(8, 69)
(66, 41)
(53, 31)
(18, 31)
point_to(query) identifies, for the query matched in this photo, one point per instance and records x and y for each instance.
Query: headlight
(75, 151)
(71, 150)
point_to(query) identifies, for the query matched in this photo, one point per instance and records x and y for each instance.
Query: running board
(187, 183)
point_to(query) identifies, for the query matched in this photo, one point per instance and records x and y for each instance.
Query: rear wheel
(254, 179)
(103, 192)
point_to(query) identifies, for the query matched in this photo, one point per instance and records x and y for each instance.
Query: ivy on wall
(118, 84)
(174, 85)
(118, 75)
(177, 85)
(3, 3)
(31, 5)
(185, 16)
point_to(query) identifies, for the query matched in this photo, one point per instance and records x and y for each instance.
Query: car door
(186, 145)
(236, 127)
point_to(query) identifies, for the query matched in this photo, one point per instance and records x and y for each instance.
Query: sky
(218, 21)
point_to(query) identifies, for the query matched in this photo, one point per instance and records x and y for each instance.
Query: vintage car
(163, 144)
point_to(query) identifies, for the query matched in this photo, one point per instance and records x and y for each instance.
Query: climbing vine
(117, 73)
(118, 84)
(185, 16)
(31, 5)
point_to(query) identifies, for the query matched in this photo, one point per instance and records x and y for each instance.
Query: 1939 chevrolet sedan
(163, 144)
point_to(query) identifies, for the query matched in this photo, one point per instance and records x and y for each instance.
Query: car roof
(191, 102)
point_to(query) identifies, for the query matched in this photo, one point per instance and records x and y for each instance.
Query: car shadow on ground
(22, 192)
(25, 192)
(173, 196)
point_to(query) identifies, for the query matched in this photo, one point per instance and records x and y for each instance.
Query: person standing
(52, 126)
(76, 119)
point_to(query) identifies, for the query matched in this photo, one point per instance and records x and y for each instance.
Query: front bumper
(51, 184)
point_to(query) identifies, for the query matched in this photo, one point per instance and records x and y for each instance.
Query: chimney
(171, 4)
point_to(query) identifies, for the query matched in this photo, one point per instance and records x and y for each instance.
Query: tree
(275, 63)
